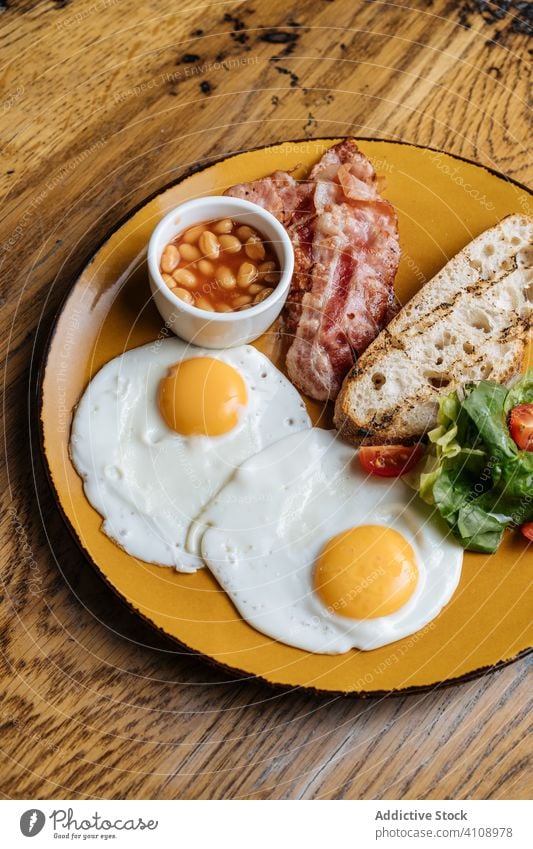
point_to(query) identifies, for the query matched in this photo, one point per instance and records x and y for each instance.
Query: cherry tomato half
(527, 531)
(521, 426)
(389, 461)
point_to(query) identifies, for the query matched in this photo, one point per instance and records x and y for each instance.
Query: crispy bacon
(345, 238)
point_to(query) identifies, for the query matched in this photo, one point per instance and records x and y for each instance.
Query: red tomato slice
(389, 461)
(527, 530)
(521, 426)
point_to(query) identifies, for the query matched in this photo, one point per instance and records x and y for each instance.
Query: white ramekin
(211, 329)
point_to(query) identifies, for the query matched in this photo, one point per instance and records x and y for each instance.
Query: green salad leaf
(474, 473)
(484, 405)
(520, 392)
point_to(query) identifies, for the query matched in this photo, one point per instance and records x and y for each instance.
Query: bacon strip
(345, 238)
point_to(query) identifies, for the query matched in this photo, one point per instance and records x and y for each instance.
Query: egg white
(147, 481)
(267, 526)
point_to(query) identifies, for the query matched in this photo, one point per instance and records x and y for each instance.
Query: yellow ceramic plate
(442, 203)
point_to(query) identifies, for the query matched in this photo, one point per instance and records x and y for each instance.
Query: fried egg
(318, 555)
(161, 428)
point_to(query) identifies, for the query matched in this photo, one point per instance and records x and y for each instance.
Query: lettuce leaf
(485, 406)
(521, 392)
(474, 473)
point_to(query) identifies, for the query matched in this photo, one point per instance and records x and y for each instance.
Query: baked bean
(206, 268)
(268, 272)
(262, 295)
(184, 295)
(193, 234)
(190, 253)
(230, 244)
(209, 244)
(170, 258)
(245, 233)
(225, 277)
(254, 248)
(246, 274)
(185, 277)
(203, 303)
(223, 226)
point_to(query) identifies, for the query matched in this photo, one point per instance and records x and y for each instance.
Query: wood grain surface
(102, 103)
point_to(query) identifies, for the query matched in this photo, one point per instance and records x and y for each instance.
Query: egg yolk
(366, 572)
(202, 396)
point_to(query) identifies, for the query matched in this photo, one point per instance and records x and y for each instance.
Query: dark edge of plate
(46, 344)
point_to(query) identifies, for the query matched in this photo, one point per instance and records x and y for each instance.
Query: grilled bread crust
(470, 322)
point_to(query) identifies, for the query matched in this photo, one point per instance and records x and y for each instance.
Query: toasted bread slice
(470, 322)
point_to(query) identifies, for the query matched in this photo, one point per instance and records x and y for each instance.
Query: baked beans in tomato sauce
(220, 266)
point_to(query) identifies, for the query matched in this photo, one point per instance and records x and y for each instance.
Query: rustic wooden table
(102, 102)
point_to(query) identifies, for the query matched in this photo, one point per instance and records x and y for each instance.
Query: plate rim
(46, 345)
